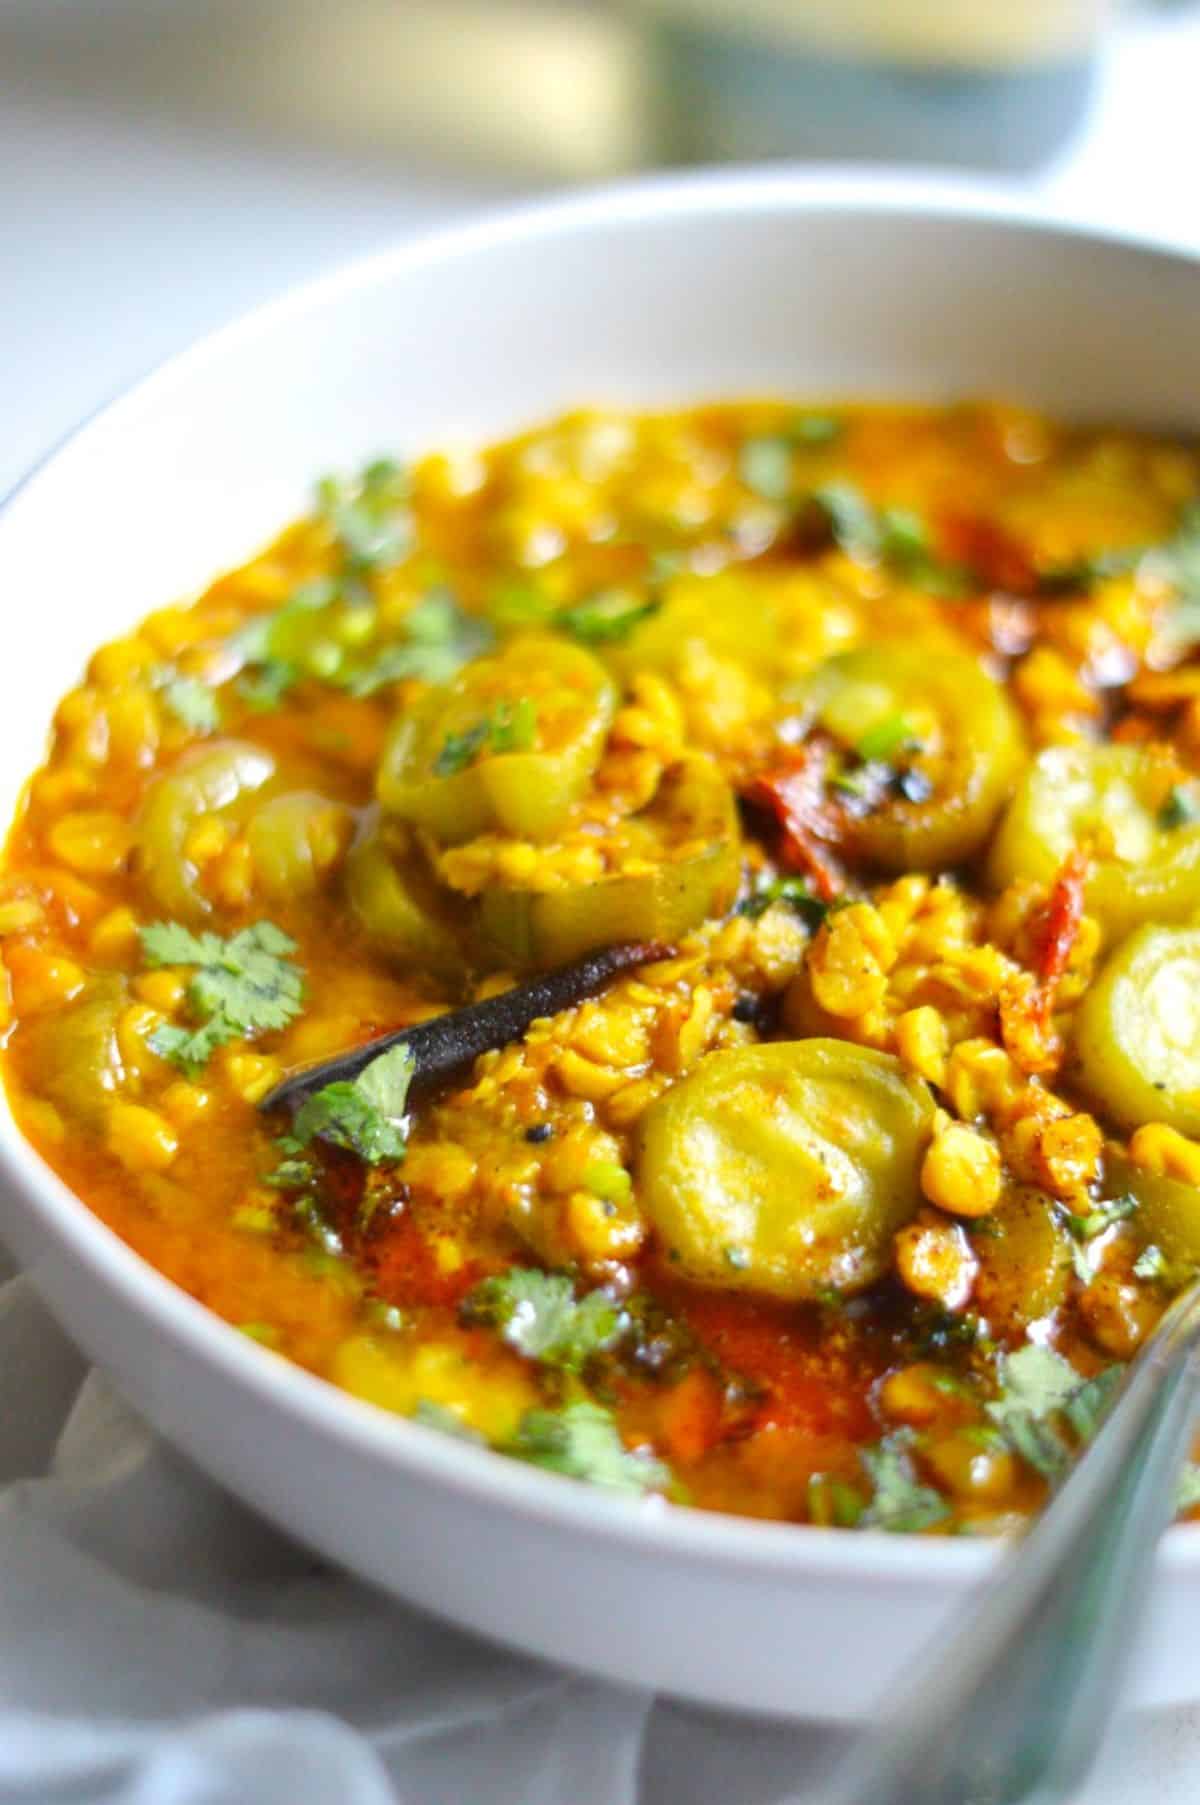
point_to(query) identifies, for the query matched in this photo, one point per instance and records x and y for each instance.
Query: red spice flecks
(407, 1272)
(1056, 926)
(994, 556)
(794, 792)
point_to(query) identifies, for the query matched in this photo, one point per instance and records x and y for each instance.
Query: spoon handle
(1012, 1706)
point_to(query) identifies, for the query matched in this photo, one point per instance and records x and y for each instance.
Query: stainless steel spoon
(1011, 1707)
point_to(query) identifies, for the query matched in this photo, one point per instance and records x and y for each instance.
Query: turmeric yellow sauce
(843, 1193)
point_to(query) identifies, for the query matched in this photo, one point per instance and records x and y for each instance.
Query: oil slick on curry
(877, 730)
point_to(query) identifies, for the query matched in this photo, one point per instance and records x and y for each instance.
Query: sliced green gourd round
(938, 743)
(1137, 1031)
(507, 745)
(785, 1169)
(1110, 801)
(682, 865)
(221, 779)
(406, 914)
(1025, 1263)
(1167, 1214)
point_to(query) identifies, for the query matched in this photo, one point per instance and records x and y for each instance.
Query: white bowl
(658, 292)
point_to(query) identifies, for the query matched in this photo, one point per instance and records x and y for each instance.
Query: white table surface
(127, 228)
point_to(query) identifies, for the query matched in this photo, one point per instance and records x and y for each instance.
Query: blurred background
(166, 163)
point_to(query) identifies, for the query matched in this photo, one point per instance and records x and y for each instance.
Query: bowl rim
(479, 1475)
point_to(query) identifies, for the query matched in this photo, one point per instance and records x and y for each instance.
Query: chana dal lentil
(846, 1198)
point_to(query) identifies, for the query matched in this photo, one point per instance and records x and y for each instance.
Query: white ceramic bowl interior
(656, 293)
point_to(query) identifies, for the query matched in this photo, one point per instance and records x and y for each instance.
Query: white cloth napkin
(161, 1645)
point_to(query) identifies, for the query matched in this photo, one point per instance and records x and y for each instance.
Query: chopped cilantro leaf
(1042, 1392)
(1151, 1263)
(765, 466)
(458, 750)
(511, 727)
(851, 518)
(365, 1115)
(582, 1441)
(901, 1503)
(367, 516)
(1105, 1215)
(736, 1258)
(608, 615)
(794, 891)
(264, 686)
(538, 1314)
(242, 986)
(192, 702)
(1182, 807)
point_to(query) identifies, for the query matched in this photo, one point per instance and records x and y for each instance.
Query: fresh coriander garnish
(610, 614)
(538, 1314)
(796, 892)
(243, 986)
(1105, 1216)
(765, 466)
(1151, 1263)
(366, 1115)
(1043, 1397)
(582, 1441)
(367, 516)
(1182, 807)
(458, 750)
(851, 519)
(511, 727)
(900, 1503)
(736, 1258)
(439, 638)
(191, 702)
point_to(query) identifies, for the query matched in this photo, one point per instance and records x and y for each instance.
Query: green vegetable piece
(1025, 1260)
(241, 987)
(365, 1115)
(539, 1315)
(222, 779)
(1168, 1216)
(1106, 798)
(446, 1422)
(582, 1441)
(72, 1055)
(610, 614)
(688, 836)
(901, 1504)
(406, 914)
(1137, 1031)
(805, 1155)
(443, 770)
(971, 749)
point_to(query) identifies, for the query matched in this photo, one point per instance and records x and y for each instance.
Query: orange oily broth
(755, 1404)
